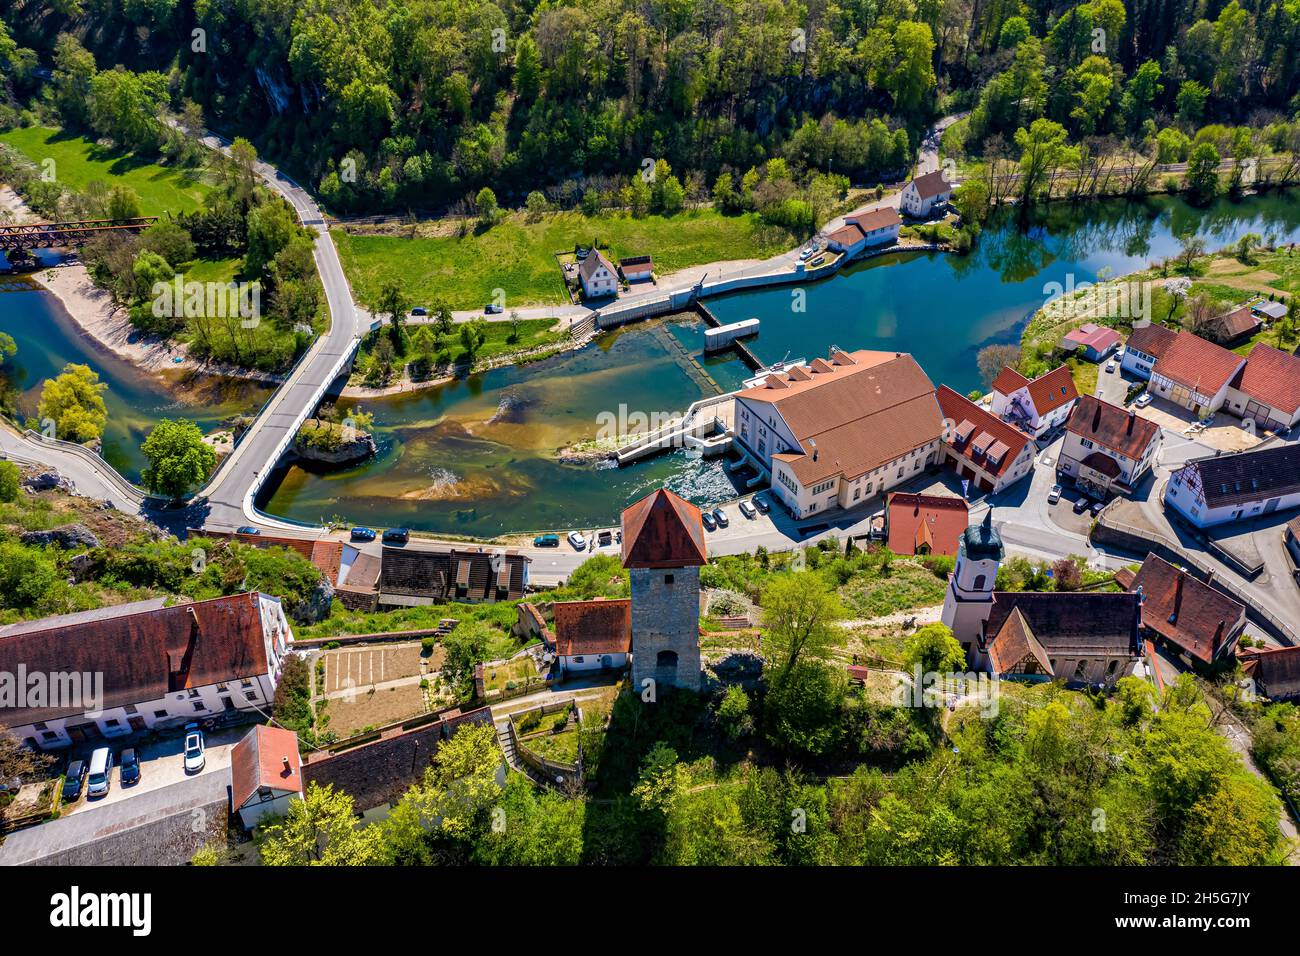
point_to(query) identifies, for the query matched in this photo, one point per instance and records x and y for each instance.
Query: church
(1087, 638)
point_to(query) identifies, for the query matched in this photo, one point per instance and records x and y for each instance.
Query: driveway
(1227, 434)
(1111, 386)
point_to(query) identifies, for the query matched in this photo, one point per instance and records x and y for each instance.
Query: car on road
(194, 759)
(546, 541)
(1096, 507)
(577, 540)
(720, 517)
(1054, 495)
(761, 504)
(1143, 400)
(363, 534)
(73, 780)
(493, 309)
(397, 536)
(710, 522)
(100, 778)
(1080, 505)
(130, 764)
(1110, 366)
(419, 310)
(748, 510)
(247, 529)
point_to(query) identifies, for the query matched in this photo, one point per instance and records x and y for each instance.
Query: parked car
(761, 504)
(1096, 507)
(710, 523)
(720, 517)
(397, 536)
(363, 534)
(493, 309)
(1110, 366)
(73, 780)
(605, 537)
(247, 529)
(805, 253)
(546, 541)
(748, 510)
(1143, 400)
(419, 310)
(1081, 505)
(193, 748)
(1054, 495)
(130, 764)
(577, 540)
(100, 777)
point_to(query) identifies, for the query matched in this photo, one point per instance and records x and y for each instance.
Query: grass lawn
(562, 748)
(1084, 374)
(514, 672)
(518, 256)
(906, 586)
(79, 161)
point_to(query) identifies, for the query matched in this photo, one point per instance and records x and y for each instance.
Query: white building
(598, 276)
(1107, 449)
(592, 635)
(1234, 487)
(1144, 346)
(875, 228)
(839, 430)
(139, 666)
(924, 193)
(265, 774)
(980, 447)
(1035, 405)
(1194, 373)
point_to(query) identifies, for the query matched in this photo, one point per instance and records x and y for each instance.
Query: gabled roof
(592, 627)
(851, 413)
(978, 434)
(931, 184)
(1248, 475)
(935, 520)
(1272, 377)
(1151, 339)
(588, 265)
(468, 575)
(259, 760)
(1186, 611)
(1015, 641)
(875, 219)
(1276, 670)
(1118, 429)
(1072, 623)
(1094, 336)
(1053, 390)
(1195, 363)
(1235, 324)
(663, 531)
(1008, 381)
(143, 654)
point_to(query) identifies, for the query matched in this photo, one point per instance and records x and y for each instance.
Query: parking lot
(1226, 434)
(161, 764)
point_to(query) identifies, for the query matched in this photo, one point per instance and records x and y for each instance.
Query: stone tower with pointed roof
(969, 601)
(663, 550)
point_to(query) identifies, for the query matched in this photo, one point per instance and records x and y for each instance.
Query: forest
(419, 104)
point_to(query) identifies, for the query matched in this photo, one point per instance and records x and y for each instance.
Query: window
(159, 714)
(979, 582)
(668, 579)
(39, 725)
(1081, 670)
(111, 722)
(199, 706)
(49, 735)
(666, 659)
(1110, 669)
(250, 697)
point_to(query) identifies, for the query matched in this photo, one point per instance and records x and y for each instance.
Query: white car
(1054, 495)
(1110, 366)
(193, 748)
(805, 253)
(577, 540)
(748, 510)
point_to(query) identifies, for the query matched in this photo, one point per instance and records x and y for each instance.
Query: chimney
(813, 443)
(1209, 577)
(1132, 414)
(287, 768)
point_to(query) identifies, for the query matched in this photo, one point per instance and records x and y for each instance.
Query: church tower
(969, 600)
(663, 550)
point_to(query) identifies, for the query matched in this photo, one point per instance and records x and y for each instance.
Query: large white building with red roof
(875, 228)
(924, 193)
(841, 429)
(1266, 390)
(986, 451)
(1035, 405)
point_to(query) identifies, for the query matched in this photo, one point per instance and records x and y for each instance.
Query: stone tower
(969, 599)
(663, 550)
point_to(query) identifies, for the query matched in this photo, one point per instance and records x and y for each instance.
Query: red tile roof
(877, 219)
(145, 654)
(1271, 377)
(936, 520)
(1276, 670)
(1204, 619)
(1194, 363)
(593, 627)
(1099, 338)
(846, 235)
(931, 184)
(1151, 339)
(663, 531)
(1015, 641)
(1120, 430)
(258, 760)
(1008, 381)
(960, 410)
(852, 413)
(1053, 390)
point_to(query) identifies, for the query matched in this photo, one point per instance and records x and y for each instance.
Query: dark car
(397, 536)
(363, 534)
(546, 541)
(761, 504)
(247, 529)
(74, 780)
(710, 522)
(129, 767)
(1081, 505)
(419, 310)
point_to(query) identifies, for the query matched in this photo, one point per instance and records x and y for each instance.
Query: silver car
(193, 748)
